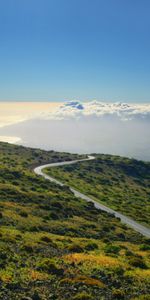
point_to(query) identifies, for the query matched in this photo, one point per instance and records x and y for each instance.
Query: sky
(56, 50)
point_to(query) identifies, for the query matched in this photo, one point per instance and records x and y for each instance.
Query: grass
(120, 183)
(55, 246)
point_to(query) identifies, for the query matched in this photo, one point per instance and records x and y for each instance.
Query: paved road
(126, 220)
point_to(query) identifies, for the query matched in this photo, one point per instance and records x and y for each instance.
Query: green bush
(91, 246)
(137, 262)
(83, 296)
(48, 266)
(23, 214)
(27, 248)
(46, 239)
(118, 294)
(36, 296)
(144, 247)
(129, 253)
(75, 248)
(3, 255)
(112, 249)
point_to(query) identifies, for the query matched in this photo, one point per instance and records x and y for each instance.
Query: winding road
(126, 220)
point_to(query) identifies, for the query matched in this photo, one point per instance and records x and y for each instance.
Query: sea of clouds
(88, 127)
(96, 109)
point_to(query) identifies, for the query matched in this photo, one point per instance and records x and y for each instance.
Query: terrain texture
(56, 246)
(118, 182)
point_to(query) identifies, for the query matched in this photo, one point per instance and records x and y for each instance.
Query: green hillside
(120, 183)
(55, 246)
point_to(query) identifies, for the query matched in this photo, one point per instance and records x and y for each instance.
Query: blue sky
(56, 50)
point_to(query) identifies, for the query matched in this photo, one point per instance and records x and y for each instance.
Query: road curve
(126, 220)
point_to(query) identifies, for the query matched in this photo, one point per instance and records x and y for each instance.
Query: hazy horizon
(81, 127)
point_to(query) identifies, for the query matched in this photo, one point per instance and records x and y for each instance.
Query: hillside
(120, 183)
(55, 246)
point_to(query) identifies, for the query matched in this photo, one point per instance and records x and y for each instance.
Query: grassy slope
(54, 246)
(121, 183)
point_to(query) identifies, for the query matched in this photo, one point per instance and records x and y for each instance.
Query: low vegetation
(120, 183)
(55, 246)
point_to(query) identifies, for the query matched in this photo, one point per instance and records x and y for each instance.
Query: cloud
(79, 110)
(74, 104)
(88, 127)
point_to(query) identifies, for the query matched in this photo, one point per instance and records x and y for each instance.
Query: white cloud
(86, 127)
(78, 110)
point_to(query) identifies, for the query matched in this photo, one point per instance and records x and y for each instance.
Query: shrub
(83, 296)
(27, 248)
(50, 267)
(119, 271)
(144, 247)
(91, 246)
(36, 296)
(118, 294)
(121, 237)
(18, 237)
(106, 240)
(129, 253)
(75, 248)
(54, 216)
(137, 262)
(23, 214)
(3, 255)
(46, 239)
(112, 249)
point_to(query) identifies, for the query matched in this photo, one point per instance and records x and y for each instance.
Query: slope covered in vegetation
(55, 246)
(120, 183)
